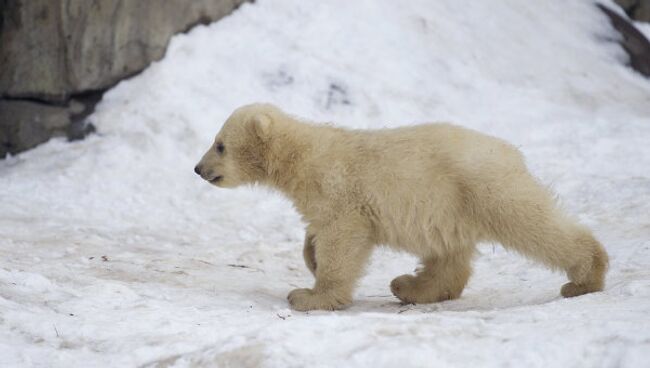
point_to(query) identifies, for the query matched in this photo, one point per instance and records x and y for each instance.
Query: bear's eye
(220, 148)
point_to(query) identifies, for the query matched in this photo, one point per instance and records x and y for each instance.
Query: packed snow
(114, 253)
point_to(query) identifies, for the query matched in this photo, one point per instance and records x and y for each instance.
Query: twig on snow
(244, 266)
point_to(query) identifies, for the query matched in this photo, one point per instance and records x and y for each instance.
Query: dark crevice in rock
(3, 6)
(61, 103)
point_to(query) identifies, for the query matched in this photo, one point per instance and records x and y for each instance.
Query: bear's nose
(197, 169)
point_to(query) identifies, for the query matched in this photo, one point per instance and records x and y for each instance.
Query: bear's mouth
(216, 179)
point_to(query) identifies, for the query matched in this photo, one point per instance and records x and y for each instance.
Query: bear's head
(238, 154)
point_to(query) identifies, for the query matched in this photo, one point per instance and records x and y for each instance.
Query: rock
(25, 124)
(638, 10)
(52, 49)
(627, 5)
(642, 11)
(634, 42)
(31, 50)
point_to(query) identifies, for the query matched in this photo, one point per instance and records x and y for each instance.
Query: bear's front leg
(342, 250)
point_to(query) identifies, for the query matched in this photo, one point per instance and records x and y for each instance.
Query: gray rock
(31, 53)
(627, 4)
(642, 11)
(638, 10)
(25, 124)
(52, 49)
(633, 41)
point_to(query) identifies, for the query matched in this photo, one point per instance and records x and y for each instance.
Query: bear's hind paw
(306, 300)
(571, 289)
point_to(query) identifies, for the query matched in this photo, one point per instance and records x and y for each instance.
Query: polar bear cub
(434, 190)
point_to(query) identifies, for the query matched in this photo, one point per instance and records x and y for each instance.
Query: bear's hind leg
(529, 223)
(588, 276)
(440, 278)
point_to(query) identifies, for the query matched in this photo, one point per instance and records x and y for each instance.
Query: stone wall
(56, 56)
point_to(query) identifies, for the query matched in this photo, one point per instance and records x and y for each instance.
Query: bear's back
(403, 174)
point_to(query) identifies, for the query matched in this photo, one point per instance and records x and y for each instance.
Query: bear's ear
(262, 125)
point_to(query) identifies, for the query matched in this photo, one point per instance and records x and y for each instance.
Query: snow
(114, 253)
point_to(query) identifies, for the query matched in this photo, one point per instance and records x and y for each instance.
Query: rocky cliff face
(55, 51)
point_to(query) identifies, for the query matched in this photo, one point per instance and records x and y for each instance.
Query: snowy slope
(114, 253)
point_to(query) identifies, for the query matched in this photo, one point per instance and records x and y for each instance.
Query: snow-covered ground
(114, 253)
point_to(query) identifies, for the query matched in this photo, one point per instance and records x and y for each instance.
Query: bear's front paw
(403, 288)
(306, 300)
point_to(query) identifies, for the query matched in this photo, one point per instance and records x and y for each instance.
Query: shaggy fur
(433, 190)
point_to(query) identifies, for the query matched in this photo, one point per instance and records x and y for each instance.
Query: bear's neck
(288, 166)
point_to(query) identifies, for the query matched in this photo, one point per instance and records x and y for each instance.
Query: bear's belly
(424, 230)
(414, 234)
